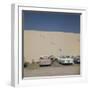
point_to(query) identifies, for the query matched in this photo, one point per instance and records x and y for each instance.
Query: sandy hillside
(39, 43)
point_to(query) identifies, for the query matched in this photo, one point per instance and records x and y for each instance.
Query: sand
(41, 43)
(61, 70)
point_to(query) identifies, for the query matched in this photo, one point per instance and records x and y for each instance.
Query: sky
(51, 21)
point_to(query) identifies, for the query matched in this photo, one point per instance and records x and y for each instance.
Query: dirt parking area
(54, 70)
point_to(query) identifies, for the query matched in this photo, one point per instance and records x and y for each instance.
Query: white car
(45, 61)
(66, 60)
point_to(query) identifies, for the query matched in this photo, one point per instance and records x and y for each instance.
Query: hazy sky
(51, 21)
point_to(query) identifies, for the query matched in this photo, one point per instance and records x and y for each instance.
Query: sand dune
(39, 43)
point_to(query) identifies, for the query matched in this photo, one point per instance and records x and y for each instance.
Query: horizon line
(51, 31)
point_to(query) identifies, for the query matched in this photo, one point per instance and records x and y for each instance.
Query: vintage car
(45, 61)
(77, 60)
(65, 60)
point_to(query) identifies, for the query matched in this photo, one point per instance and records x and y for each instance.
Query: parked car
(77, 60)
(45, 61)
(65, 60)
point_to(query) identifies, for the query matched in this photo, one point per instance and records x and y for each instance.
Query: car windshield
(67, 56)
